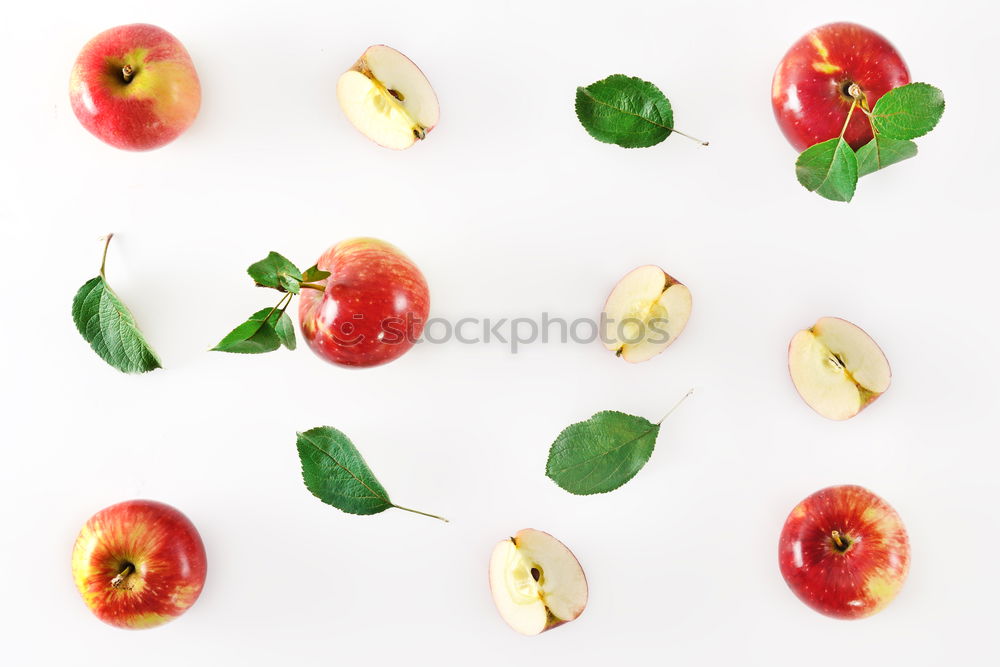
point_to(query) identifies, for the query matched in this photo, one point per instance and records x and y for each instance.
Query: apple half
(537, 582)
(645, 312)
(388, 98)
(837, 368)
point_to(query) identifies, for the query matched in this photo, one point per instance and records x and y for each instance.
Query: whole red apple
(139, 564)
(844, 552)
(811, 90)
(135, 87)
(373, 306)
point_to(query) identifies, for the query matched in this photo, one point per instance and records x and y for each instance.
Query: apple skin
(154, 107)
(865, 574)
(164, 550)
(808, 92)
(373, 308)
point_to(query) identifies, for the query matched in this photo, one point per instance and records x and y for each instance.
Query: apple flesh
(811, 89)
(135, 87)
(645, 313)
(837, 368)
(844, 552)
(372, 307)
(537, 583)
(139, 564)
(388, 98)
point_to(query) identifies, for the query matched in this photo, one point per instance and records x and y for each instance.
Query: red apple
(844, 552)
(372, 309)
(139, 564)
(811, 87)
(135, 87)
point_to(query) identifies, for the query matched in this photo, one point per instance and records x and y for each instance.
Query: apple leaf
(276, 271)
(257, 335)
(830, 169)
(105, 323)
(625, 110)
(335, 472)
(881, 152)
(908, 112)
(286, 332)
(313, 274)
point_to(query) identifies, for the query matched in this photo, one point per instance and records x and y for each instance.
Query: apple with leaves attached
(844, 552)
(370, 309)
(139, 564)
(135, 87)
(537, 582)
(645, 313)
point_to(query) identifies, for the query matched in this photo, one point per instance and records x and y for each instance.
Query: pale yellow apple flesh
(837, 368)
(537, 583)
(388, 98)
(645, 313)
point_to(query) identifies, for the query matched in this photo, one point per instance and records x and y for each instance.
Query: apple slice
(388, 98)
(837, 368)
(646, 311)
(537, 583)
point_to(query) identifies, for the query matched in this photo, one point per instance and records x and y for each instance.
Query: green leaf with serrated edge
(335, 472)
(881, 152)
(908, 112)
(104, 322)
(255, 336)
(830, 169)
(285, 331)
(624, 110)
(602, 453)
(277, 272)
(314, 274)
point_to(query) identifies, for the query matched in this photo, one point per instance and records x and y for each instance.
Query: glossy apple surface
(135, 87)
(373, 307)
(844, 552)
(139, 564)
(809, 91)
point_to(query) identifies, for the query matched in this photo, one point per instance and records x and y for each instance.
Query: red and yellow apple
(139, 564)
(811, 89)
(135, 87)
(844, 552)
(372, 307)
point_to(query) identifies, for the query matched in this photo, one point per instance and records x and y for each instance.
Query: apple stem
(854, 105)
(703, 143)
(123, 575)
(676, 405)
(433, 516)
(127, 73)
(836, 539)
(104, 257)
(316, 286)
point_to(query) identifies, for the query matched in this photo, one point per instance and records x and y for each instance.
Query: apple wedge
(645, 312)
(537, 583)
(388, 98)
(837, 368)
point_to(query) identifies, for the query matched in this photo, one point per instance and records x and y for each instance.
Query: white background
(510, 209)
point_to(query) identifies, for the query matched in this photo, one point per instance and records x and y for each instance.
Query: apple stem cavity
(122, 577)
(104, 256)
(433, 516)
(127, 73)
(841, 543)
(676, 405)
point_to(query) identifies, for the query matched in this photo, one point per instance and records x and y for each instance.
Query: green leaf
(277, 272)
(313, 274)
(908, 112)
(335, 472)
(285, 331)
(602, 453)
(626, 111)
(830, 169)
(881, 152)
(104, 322)
(255, 336)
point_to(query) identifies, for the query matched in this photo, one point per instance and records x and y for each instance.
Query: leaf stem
(433, 516)
(703, 143)
(104, 257)
(676, 405)
(854, 105)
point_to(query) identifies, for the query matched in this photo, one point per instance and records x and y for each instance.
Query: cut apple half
(837, 368)
(646, 311)
(388, 98)
(537, 583)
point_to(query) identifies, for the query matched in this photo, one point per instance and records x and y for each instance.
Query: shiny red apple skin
(165, 551)
(865, 573)
(808, 91)
(159, 102)
(373, 308)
